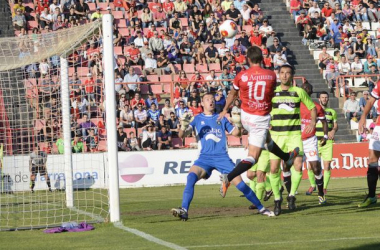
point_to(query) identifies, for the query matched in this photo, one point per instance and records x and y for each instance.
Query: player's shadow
(365, 246)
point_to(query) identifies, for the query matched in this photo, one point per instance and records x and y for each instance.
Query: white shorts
(374, 140)
(310, 149)
(257, 127)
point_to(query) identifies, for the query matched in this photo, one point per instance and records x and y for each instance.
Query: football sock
(48, 183)
(274, 149)
(249, 194)
(296, 180)
(32, 184)
(268, 186)
(242, 167)
(260, 188)
(311, 175)
(319, 182)
(327, 175)
(287, 180)
(188, 193)
(252, 184)
(275, 182)
(372, 176)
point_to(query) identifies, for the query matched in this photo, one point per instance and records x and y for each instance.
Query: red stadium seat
(189, 140)
(156, 88)
(92, 7)
(214, 66)
(121, 59)
(82, 71)
(244, 140)
(124, 32)
(152, 78)
(184, 22)
(138, 70)
(118, 50)
(121, 23)
(144, 88)
(128, 130)
(188, 68)
(102, 146)
(201, 68)
(118, 14)
(32, 24)
(71, 71)
(166, 78)
(233, 141)
(102, 5)
(177, 142)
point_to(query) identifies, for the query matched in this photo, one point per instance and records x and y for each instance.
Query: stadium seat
(121, 59)
(124, 32)
(102, 5)
(128, 130)
(82, 71)
(177, 67)
(233, 141)
(118, 14)
(32, 24)
(156, 88)
(356, 83)
(248, 29)
(214, 66)
(166, 78)
(121, 23)
(144, 88)
(188, 68)
(152, 78)
(201, 68)
(138, 70)
(92, 7)
(184, 22)
(177, 142)
(102, 146)
(118, 50)
(167, 88)
(112, 6)
(139, 132)
(189, 140)
(71, 71)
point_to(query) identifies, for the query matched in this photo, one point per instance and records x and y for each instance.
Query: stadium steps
(300, 56)
(19, 112)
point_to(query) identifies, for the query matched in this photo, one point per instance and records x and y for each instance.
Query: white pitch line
(148, 237)
(282, 242)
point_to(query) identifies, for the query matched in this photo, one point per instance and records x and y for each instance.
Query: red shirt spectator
(133, 52)
(168, 7)
(267, 62)
(89, 85)
(326, 11)
(92, 51)
(135, 102)
(41, 6)
(256, 39)
(303, 19)
(153, 6)
(239, 58)
(199, 77)
(196, 110)
(295, 5)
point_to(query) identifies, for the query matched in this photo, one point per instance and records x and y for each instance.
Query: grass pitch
(217, 223)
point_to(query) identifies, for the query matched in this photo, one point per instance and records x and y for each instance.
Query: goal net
(52, 129)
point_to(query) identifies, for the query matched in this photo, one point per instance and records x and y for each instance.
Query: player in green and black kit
(286, 133)
(326, 151)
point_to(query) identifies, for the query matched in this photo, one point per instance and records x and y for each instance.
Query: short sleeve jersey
(256, 87)
(331, 118)
(306, 119)
(211, 134)
(286, 117)
(38, 158)
(375, 93)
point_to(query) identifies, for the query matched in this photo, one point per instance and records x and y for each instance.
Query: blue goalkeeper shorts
(223, 164)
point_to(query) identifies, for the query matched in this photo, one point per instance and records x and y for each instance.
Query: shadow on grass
(365, 246)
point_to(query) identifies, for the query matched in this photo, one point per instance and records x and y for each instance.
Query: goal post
(51, 97)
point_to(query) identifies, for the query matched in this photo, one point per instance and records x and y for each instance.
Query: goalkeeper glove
(236, 119)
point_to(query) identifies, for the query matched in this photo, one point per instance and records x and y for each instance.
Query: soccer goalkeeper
(37, 164)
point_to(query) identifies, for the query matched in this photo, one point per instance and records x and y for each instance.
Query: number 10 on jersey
(258, 90)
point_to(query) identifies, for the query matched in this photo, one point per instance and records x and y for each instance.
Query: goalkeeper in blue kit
(212, 144)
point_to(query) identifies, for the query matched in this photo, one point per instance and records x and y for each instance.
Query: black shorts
(38, 169)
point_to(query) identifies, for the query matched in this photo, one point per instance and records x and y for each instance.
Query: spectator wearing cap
(151, 66)
(368, 64)
(303, 23)
(295, 7)
(266, 29)
(180, 7)
(360, 48)
(276, 45)
(19, 21)
(139, 40)
(82, 10)
(357, 66)
(337, 38)
(361, 12)
(334, 24)
(332, 75)
(326, 10)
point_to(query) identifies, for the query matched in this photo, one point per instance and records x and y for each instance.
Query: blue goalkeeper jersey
(211, 134)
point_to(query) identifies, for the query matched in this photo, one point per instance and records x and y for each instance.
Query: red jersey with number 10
(256, 87)
(306, 119)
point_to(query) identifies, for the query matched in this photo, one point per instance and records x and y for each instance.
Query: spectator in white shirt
(279, 59)
(314, 8)
(151, 66)
(44, 67)
(126, 117)
(351, 107)
(141, 116)
(357, 66)
(265, 29)
(139, 40)
(212, 84)
(54, 5)
(222, 50)
(344, 66)
(132, 77)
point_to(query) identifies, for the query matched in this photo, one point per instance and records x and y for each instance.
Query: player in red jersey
(374, 148)
(310, 141)
(256, 86)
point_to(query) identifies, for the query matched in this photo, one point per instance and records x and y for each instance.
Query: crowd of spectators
(153, 38)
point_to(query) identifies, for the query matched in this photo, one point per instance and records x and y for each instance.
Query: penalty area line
(282, 242)
(148, 237)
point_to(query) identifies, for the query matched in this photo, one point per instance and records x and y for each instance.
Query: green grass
(225, 223)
